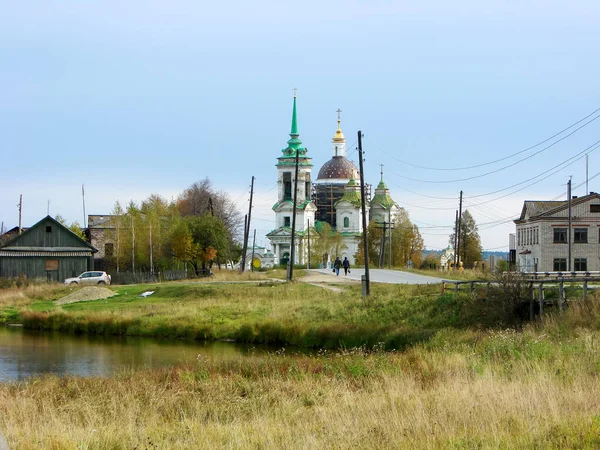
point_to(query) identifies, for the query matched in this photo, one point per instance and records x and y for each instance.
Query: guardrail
(551, 278)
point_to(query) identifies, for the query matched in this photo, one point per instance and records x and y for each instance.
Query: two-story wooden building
(543, 235)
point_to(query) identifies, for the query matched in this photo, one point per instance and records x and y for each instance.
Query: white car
(87, 278)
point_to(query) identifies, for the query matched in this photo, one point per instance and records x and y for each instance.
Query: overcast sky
(139, 97)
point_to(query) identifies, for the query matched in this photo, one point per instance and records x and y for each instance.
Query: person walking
(336, 265)
(346, 265)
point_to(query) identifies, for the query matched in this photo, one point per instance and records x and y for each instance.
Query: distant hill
(484, 254)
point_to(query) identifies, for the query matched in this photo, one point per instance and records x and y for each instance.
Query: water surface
(25, 353)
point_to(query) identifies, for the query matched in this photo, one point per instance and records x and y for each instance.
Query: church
(333, 198)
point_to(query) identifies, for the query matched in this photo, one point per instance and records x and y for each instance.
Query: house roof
(9, 245)
(542, 208)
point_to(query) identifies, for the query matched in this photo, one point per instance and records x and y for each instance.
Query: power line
(506, 157)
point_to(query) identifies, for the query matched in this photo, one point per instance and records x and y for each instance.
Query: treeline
(200, 228)
(407, 242)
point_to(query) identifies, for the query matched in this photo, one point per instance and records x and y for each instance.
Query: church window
(287, 186)
(346, 222)
(286, 221)
(307, 187)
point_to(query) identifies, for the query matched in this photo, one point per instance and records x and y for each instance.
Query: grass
(534, 388)
(436, 373)
(269, 312)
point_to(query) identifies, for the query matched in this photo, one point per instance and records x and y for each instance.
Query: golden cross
(339, 111)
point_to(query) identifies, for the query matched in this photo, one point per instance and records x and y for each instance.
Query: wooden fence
(536, 286)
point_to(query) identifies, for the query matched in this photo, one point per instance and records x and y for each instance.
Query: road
(382, 276)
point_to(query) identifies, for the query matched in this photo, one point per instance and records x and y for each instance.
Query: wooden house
(46, 250)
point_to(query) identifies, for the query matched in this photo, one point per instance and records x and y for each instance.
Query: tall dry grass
(22, 296)
(467, 392)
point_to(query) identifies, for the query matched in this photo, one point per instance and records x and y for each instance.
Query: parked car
(87, 278)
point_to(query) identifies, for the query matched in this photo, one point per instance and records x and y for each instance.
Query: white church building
(334, 198)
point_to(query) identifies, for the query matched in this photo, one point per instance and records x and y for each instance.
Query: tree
(209, 238)
(407, 243)
(374, 235)
(470, 242)
(325, 242)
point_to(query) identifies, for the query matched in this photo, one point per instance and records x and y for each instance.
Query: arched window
(346, 222)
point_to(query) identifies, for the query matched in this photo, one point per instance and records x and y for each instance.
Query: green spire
(294, 131)
(294, 144)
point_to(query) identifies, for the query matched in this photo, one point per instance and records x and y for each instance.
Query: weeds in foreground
(500, 389)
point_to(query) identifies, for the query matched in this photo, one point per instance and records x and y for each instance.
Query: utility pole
(455, 237)
(253, 246)
(569, 229)
(290, 274)
(390, 243)
(20, 212)
(308, 231)
(458, 232)
(367, 280)
(245, 238)
(382, 250)
(247, 230)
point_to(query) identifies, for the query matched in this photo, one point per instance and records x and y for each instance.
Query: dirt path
(325, 281)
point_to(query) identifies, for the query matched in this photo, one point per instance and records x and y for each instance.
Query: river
(25, 353)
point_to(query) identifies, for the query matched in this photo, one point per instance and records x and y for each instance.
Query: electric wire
(506, 157)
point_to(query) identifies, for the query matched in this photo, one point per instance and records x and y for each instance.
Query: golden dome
(339, 136)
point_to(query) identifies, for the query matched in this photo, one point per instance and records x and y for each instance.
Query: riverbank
(269, 312)
(534, 388)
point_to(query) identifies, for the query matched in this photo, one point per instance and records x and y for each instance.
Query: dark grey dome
(338, 167)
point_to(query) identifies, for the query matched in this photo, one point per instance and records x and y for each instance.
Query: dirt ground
(86, 294)
(325, 281)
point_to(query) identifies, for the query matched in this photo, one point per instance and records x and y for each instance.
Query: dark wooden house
(46, 250)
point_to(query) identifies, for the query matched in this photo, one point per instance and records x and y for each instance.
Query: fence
(156, 277)
(543, 280)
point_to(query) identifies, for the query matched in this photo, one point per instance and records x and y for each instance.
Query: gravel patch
(86, 294)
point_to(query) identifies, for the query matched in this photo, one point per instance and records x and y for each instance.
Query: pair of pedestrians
(339, 263)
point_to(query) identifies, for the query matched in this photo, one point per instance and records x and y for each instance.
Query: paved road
(383, 276)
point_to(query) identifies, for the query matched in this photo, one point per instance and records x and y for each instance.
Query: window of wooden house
(560, 264)
(51, 264)
(595, 208)
(580, 235)
(581, 264)
(48, 228)
(560, 235)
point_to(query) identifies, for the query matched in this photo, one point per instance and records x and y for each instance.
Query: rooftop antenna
(84, 225)
(20, 211)
(587, 189)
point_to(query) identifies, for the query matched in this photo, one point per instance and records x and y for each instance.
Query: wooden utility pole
(382, 250)
(247, 231)
(290, 274)
(20, 212)
(458, 232)
(308, 232)
(569, 229)
(245, 238)
(390, 242)
(253, 246)
(364, 215)
(455, 237)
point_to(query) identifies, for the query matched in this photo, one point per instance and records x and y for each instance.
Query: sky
(146, 97)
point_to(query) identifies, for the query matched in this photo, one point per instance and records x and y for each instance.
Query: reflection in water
(26, 353)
